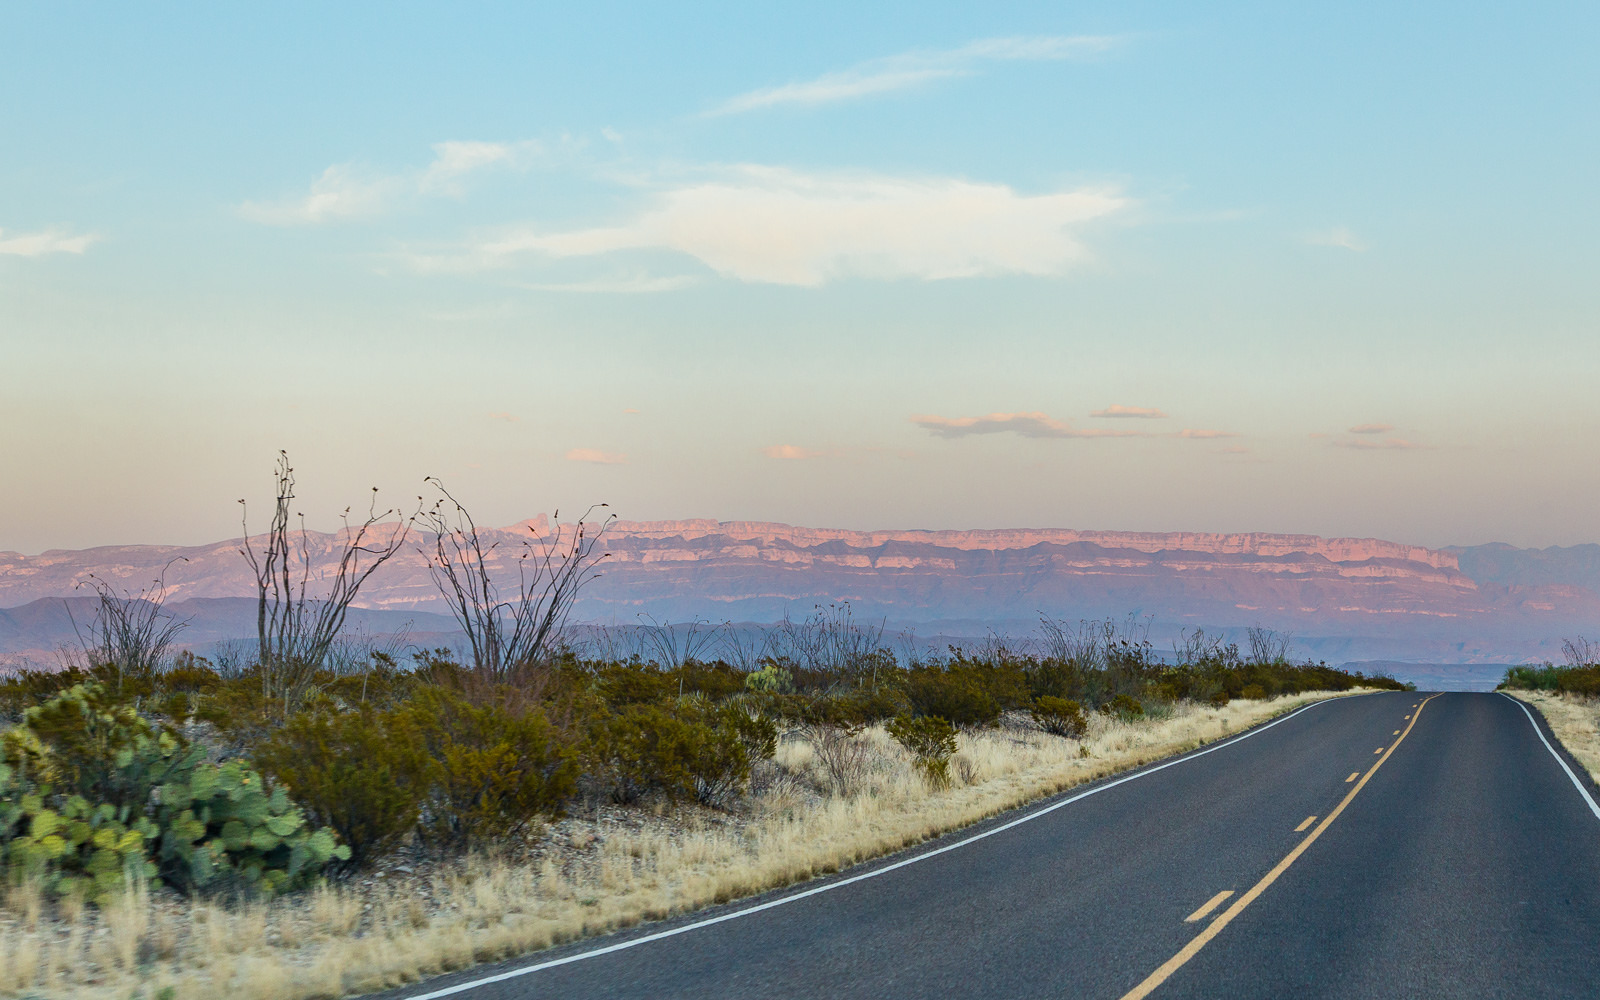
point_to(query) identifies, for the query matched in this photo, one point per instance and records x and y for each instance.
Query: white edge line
(886, 869)
(1575, 782)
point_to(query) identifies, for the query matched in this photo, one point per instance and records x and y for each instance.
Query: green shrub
(957, 695)
(364, 773)
(495, 771)
(756, 733)
(1059, 717)
(931, 741)
(1253, 692)
(1219, 698)
(1124, 707)
(647, 749)
(623, 684)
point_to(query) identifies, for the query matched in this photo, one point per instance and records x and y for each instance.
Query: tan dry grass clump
(590, 876)
(1575, 722)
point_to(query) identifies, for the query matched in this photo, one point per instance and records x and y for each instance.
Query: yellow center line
(1214, 928)
(1408, 716)
(1305, 823)
(1208, 906)
(1353, 776)
(1395, 733)
(1380, 749)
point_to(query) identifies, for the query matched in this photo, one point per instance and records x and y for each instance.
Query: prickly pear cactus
(138, 803)
(225, 821)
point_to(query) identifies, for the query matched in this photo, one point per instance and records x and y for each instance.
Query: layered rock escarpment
(758, 571)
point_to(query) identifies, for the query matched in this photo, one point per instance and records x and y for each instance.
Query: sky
(1136, 266)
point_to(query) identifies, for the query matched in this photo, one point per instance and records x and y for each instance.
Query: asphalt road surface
(1386, 845)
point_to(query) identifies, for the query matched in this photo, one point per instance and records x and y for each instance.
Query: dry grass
(1574, 721)
(593, 875)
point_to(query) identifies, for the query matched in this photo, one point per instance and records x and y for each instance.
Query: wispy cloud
(1384, 444)
(1030, 425)
(1236, 450)
(348, 191)
(779, 226)
(1338, 236)
(1133, 412)
(509, 418)
(1371, 428)
(596, 456)
(790, 452)
(641, 284)
(45, 241)
(913, 69)
(1204, 435)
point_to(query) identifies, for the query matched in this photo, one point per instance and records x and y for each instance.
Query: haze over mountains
(1345, 599)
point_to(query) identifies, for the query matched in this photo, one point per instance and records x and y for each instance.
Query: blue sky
(1316, 270)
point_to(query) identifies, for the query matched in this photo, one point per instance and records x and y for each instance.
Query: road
(1386, 845)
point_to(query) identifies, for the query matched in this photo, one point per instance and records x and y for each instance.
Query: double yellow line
(1214, 928)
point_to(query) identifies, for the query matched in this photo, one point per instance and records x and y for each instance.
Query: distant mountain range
(1344, 598)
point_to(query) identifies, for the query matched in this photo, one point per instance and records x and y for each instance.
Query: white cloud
(880, 76)
(1338, 236)
(1371, 428)
(1134, 412)
(595, 456)
(781, 226)
(1031, 425)
(346, 191)
(45, 241)
(789, 451)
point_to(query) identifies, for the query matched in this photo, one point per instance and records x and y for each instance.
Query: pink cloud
(1201, 435)
(595, 456)
(1030, 425)
(1372, 428)
(789, 451)
(1135, 412)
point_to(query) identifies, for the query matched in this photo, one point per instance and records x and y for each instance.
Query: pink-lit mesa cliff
(756, 571)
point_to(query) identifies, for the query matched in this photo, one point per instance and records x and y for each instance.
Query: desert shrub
(623, 684)
(931, 741)
(27, 688)
(841, 751)
(1583, 680)
(363, 773)
(676, 753)
(1125, 707)
(495, 771)
(1219, 698)
(1059, 717)
(755, 731)
(1253, 692)
(715, 681)
(956, 695)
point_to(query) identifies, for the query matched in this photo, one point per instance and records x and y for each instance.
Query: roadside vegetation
(1568, 696)
(303, 822)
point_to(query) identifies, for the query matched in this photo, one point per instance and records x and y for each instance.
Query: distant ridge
(1381, 595)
